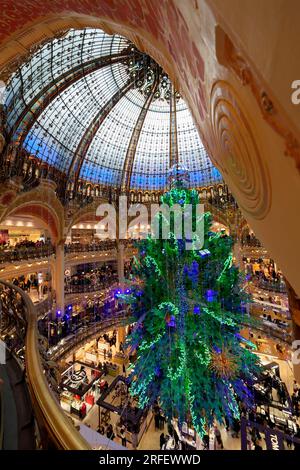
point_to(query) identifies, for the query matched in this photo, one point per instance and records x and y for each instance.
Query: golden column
(59, 276)
(294, 306)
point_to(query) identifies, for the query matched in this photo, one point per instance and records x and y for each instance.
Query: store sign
(274, 440)
(2, 344)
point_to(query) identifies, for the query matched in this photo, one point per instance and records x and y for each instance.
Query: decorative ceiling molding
(93, 127)
(236, 152)
(232, 58)
(41, 203)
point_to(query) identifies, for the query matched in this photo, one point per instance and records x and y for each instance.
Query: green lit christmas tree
(189, 312)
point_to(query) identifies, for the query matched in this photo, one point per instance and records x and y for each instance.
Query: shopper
(162, 420)
(258, 446)
(101, 430)
(205, 441)
(227, 423)
(176, 439)
(156, 421)
(162, 440)
(110, 433)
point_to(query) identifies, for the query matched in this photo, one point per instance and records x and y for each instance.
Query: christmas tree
(188, 308)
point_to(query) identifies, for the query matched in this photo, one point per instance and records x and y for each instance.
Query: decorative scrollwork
(236, 151)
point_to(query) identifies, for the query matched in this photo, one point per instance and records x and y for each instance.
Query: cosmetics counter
(274, 406)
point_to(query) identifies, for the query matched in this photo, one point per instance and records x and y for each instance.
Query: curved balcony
(75, 254)
(19, 316)
(80, 248)
(268, 331)
(31, 253)
(1, 420)
(271, 286)
(251, 242)
(25, 253)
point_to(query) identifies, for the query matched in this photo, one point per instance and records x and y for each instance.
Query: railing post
(294, 305)
(59, 277)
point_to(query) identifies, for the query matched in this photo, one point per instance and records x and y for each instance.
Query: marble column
(121, 262)
(59, 277)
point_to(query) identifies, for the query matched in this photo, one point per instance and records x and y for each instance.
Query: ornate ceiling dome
(97, 109)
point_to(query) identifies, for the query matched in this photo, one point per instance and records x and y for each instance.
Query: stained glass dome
(91, 105)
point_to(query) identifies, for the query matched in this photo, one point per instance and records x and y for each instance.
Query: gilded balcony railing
(1, 419)
(11, 255)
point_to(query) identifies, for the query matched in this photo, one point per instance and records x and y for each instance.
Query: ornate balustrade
(79, 248)
(271, 286)
(105, 245)
(20, 254)
(251, 243)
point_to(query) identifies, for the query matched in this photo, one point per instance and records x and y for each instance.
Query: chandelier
(147, 71)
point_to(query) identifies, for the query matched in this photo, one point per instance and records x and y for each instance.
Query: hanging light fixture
(152, 72)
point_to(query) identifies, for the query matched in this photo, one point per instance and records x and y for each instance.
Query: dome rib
(86, 140)
(84, 104)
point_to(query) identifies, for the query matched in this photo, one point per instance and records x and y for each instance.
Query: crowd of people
(263, 273)
(95, 245)
(274, 394)
(84, 315)
(29, 282)
(24, 249)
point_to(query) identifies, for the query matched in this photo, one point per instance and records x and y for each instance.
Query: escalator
(17, 425)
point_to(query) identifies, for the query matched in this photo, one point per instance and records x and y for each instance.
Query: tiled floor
(150, 440)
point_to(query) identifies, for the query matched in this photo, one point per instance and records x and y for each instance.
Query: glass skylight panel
(70, 116)
(192, 154)
(66, 119)
(55, 59)
(151, 162)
